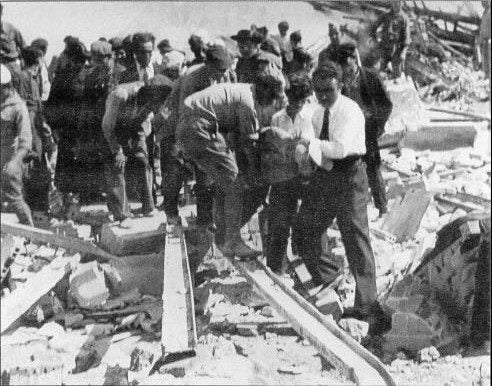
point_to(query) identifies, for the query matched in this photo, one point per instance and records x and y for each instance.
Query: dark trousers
(281, 214)
(174, 174)
(234, 206)
(138, 172)
(12, 194)
(375, 178)
(342, 194)
(391, 53)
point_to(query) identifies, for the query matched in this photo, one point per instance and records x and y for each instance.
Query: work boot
(239, 250)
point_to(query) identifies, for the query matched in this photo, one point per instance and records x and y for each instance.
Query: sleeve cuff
(315, 151)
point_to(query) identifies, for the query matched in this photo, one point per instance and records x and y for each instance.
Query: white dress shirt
(346, 133)
(142, 70)
(302, 126)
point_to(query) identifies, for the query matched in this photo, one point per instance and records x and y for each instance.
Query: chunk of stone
(428, 354)
(357, 329)
(88, 286)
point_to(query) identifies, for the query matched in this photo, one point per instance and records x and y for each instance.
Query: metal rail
(353, 360)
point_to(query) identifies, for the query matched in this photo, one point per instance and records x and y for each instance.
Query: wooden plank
(22, 299)
(323, 333)
(461, 113)
(178, 318)
(70, 244)
(468, 206)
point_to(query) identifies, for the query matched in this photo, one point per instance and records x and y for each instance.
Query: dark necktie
(145, 76)
(325, 128)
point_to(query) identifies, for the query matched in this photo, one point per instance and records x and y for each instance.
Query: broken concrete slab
(404, 216)
(88, 285)
(145, 235)
(409, 332)
(328, 303)
(440, 136)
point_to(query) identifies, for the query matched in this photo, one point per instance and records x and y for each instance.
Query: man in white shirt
(338, 189)
(295, 119)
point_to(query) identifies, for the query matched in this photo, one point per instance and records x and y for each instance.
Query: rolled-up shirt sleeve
(113, 104)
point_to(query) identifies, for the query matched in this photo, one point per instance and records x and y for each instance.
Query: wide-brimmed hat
(246, 35)
(165, 45)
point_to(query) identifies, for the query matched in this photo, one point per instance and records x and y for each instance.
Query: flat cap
(101, 48)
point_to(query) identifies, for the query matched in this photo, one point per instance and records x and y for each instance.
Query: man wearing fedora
(249, 66)
(172, 60)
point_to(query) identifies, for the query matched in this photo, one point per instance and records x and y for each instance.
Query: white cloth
(302, 126)
(346, 133)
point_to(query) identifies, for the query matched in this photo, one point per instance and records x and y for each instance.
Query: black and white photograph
(245, 192)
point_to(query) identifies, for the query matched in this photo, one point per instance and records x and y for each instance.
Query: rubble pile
(21, 260)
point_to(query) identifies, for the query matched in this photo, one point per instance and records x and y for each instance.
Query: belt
(347, 163)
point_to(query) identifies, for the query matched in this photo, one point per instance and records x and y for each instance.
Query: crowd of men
(241, 116)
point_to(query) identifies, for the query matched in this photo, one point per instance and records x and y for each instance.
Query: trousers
(281, 215)
(174, 173)
(138, 172)
(342, 194)
(12, 193)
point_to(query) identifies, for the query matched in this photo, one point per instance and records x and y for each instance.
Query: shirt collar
(336, 105)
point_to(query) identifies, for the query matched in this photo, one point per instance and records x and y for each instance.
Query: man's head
(197, 46)
(248, 42)
(263, 31)
(6, 86)
(268, 89)
(31, 57)
(396, 6)
(327, 81)
(295, 38)
(142, 47)
(117, 48)
(164, 47)
(218, 58)
(302, 58)
(299, 90)
(41, 44)
(347, 57)
(283, 27)
(334, 34)
(101, 53)
(155, 92)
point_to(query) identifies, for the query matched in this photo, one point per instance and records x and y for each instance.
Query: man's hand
(120, 159)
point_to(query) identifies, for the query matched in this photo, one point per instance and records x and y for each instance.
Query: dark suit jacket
(130, 74)
(373, 94)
